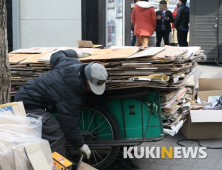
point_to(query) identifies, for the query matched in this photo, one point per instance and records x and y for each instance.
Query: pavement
(212, 162)
(214, 156)
(209, 71)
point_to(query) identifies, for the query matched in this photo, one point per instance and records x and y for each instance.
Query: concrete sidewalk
(212, 162)
(214, 158)
(209, 71)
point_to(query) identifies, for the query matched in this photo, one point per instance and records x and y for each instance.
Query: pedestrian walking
(182, 23)
(144, 21)
(163, 26)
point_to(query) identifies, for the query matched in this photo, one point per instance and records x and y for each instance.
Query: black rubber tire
(116, 132)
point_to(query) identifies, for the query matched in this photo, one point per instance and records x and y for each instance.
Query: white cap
(97, 76)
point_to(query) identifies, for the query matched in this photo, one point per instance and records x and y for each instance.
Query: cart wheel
(97, 124)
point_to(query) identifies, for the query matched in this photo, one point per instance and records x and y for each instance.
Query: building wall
(49, 23)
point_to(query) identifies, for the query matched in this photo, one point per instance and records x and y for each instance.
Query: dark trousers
(182, 38)
(51, 131)
(133, 42)
(160, 35)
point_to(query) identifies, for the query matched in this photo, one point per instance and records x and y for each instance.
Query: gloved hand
(85, 151)
(81, 54)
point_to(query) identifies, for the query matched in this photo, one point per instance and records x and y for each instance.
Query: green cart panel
(136, 122)
(133, 116)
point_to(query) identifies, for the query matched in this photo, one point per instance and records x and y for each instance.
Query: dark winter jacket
(167, 23)
(182, 17)
(63, 87)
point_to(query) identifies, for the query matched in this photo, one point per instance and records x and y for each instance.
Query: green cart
(118, 118)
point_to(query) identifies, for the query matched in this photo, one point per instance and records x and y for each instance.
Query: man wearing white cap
(63, 90)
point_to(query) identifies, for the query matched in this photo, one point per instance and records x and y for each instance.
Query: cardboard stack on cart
(165, 68)
(154, 67)
(25, 65)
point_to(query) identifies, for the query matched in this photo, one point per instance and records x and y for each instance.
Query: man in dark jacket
(181, 23)
(64, 87)
(163, 26)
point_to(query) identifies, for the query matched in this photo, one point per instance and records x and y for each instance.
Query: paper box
(35, 153)
(88, 44)
(209, 87)
(205, 124)
(15, 108)
(13, 155)
(60, 162)
(28, 155)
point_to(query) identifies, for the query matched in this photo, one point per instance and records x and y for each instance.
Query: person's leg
(185, 43)
(137, 41)
(180, 37)
(166, 38)
(133, 43)
(158, 38)
(145, 41)
(183, 38)
(51, 131)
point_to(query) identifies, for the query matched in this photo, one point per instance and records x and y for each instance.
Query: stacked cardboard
(166, 68)
(173, 107)
(25, 65)
(153, 67)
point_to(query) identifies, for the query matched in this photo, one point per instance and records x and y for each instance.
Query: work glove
(81, 54)
(85, 151)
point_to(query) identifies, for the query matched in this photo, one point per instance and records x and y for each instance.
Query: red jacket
(144, 19)
(174, 16)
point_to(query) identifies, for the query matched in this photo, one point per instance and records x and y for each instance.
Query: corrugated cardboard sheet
(206, 84)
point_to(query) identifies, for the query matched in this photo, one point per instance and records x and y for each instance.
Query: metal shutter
(204, 28)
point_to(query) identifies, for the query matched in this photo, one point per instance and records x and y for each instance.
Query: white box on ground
(205, 124)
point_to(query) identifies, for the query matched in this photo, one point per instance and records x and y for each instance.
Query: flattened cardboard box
(14, 108)
(108, 54)
(36, 157)
(87, 44)
(205, 124)
(34, 50)
(16, 58)
(190, 85)
(22, 160)
(192, 81)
